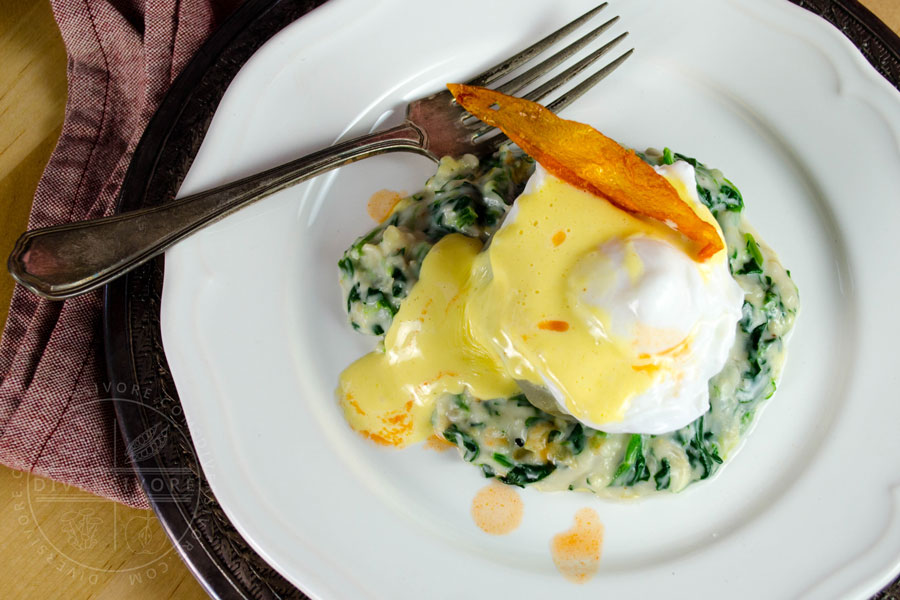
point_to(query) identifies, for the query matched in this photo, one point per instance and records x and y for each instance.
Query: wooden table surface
(58, 542)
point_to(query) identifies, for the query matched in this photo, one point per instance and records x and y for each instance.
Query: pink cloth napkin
(122, 57)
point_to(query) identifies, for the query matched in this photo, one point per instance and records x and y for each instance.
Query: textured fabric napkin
(122, 57)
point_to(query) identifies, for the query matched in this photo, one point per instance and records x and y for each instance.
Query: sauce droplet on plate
(497, 509)
(382, 203)
(576, 552)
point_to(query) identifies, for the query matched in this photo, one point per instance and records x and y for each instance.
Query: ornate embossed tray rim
(221, 560)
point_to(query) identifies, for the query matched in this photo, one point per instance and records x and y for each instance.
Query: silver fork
(68, 260)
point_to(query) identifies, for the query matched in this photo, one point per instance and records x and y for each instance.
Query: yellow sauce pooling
(389, 396)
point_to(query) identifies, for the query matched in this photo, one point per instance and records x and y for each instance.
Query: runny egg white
(603, 312)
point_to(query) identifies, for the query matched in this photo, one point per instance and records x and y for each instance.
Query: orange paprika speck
(382, 441)
(554, 325)
(559, 237)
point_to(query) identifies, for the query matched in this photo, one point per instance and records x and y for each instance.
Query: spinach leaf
(460, 401)
(346, 265)
(576, 439)
(662, 476)
(523, 474)
(633, 468)
(502, 460)
(464, 441)
(750, 267)
(730, 197)
(702, 451)
(753, 248)
(667, 157)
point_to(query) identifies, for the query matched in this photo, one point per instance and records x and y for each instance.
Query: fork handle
(67, 260)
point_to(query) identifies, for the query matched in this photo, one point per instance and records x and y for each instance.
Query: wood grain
(886, 10)
(32, 99)
(56, 541)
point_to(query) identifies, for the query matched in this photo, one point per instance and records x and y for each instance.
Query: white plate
(255, 335)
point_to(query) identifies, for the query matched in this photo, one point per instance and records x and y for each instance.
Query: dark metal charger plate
(219, 557)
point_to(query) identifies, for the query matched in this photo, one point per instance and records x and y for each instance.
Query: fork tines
(521, 81)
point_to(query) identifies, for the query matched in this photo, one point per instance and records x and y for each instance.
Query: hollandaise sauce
(429, 351)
